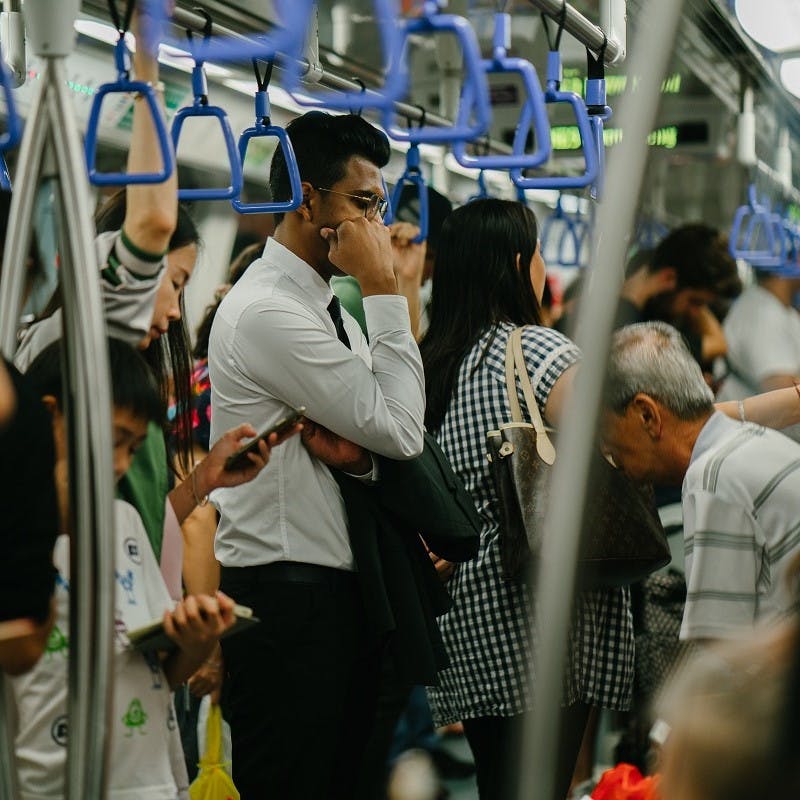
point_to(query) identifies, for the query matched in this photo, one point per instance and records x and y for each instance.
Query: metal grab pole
(52, 129)
(556, 577)
(585, 31)
(91, 464)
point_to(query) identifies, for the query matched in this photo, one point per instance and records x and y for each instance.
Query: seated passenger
(740, 482)
(143, 733)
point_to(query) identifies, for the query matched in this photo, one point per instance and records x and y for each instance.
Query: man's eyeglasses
(373, 204)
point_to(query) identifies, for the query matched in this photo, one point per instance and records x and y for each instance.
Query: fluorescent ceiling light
(774, 24)
(790, 76)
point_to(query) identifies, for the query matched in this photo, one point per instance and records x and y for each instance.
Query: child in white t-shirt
(146, 760)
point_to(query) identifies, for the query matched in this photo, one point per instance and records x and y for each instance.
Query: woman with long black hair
(489, 279)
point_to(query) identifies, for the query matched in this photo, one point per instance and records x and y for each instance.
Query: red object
(625, 782)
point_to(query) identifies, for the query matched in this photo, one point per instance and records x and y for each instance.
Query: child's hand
(197, 622)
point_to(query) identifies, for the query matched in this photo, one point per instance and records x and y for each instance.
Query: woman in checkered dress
(489, 276)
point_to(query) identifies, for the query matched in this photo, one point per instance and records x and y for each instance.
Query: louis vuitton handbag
(623, 540)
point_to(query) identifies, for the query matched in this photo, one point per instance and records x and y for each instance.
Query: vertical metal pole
(12, 281)
(556, 577)
(91, 476)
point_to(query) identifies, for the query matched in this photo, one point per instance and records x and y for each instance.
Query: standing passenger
(303, 683)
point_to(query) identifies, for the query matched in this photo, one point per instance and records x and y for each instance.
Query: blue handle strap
(412, 175)
(759, 244)
(569, 236)
(598, 111)
(13, 134)
(287, 38)
(537, 111)
(395, 84)
(483, 192)
(261, 129)
(123, 85)
(553, 94)
(475, 85)
(5, 178)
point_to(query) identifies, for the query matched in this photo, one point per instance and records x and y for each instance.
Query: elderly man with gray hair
(740, 482)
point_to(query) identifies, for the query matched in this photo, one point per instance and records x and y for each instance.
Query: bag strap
(515, 364)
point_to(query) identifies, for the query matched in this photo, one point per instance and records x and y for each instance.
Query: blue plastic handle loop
(5, 178)
(599, 112)
(263, 129)
(500, 63)
(285, 39)
(412, 175)
(123, 85)
(762, 244)
(200, 108)
(483, 192)
(386, 13)
(554, 95)
(475, 95)
(570, 240)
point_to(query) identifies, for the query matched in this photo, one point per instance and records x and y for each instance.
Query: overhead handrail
(264, 128)
(411, 175)
(201, 108)
(432, 21)
(124, 85)
(386, 14)
(762, 241)
(285, 39)
(52, 141)
(554, 95)
(598, 112)
(537, 111)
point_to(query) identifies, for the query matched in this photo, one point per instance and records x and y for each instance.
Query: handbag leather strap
(516, 366)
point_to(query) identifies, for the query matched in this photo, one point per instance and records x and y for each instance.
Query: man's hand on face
(334, 450)
(362, 248)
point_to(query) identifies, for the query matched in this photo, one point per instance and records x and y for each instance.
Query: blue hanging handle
(286, 38)
(553, 94)
(411, 175)
(124, 85)
(598, 112)
(201, 108)
(570, 238)
(430, 22)
(386, 13)
(759, 245)
(501, 63)
(263, 128)
(13, 133)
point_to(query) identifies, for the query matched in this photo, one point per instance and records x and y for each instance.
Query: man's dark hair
(133, 385)
(699, 254)
(322, 145)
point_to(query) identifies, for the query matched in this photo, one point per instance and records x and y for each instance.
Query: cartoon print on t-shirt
(57, 642)
(155, 669)
(126, 582)
(135, 717)
(131, 547)
(59, 730)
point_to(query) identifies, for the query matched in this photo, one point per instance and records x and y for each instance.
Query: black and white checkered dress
(487, 631)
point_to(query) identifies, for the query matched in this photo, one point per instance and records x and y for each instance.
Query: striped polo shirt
(741, 512)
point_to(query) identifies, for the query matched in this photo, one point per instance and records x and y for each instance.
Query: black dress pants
(301, 685)
(496, 744)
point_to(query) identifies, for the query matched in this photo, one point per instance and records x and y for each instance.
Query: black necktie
(335, 310)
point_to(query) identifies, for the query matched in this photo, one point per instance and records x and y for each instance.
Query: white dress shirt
(273, 347)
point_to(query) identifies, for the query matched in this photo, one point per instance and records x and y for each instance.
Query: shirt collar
(717, 425)
(298, 271)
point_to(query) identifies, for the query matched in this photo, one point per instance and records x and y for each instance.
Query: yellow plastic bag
(213, 783)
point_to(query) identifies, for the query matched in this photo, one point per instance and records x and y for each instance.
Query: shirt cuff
(386, 313)
(373, 476)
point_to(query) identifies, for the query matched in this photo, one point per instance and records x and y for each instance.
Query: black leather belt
(294, 572)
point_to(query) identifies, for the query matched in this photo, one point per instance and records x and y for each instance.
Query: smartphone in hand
(239, 459)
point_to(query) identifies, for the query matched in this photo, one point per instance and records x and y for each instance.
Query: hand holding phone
(239, 459)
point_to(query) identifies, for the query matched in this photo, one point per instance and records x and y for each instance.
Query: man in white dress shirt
(302, 684)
